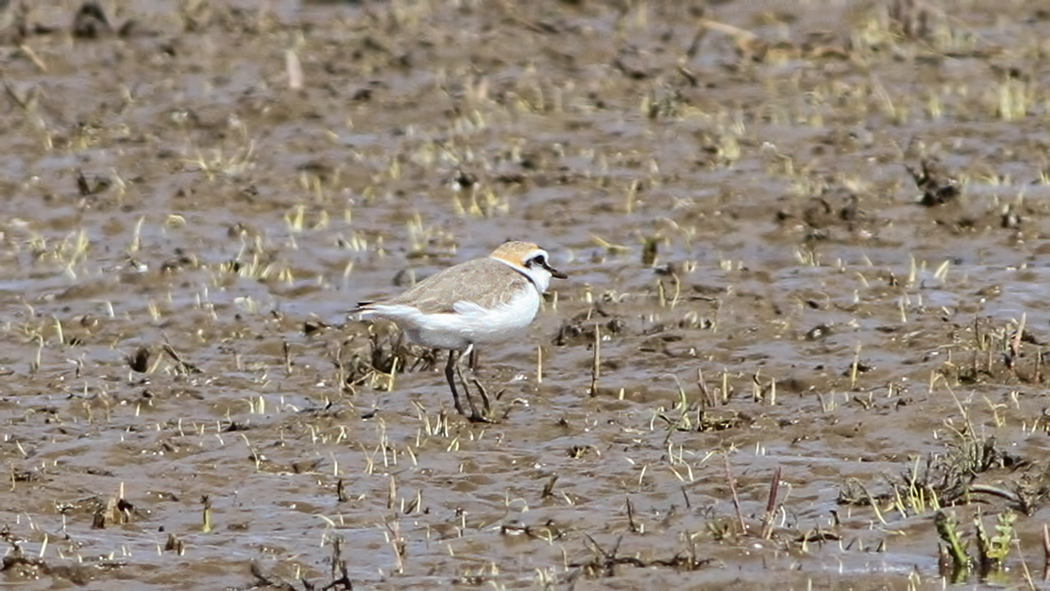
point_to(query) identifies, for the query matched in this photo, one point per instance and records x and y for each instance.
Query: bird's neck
(539, 278)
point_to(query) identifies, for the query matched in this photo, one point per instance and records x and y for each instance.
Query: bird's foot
(477, 417)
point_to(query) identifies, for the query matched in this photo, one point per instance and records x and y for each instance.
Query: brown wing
(486, 282)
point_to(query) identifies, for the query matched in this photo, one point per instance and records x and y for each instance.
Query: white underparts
(468, 324)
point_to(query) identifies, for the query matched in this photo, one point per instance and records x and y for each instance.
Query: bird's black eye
(536, 260)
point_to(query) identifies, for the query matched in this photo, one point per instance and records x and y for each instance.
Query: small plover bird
(479, 302)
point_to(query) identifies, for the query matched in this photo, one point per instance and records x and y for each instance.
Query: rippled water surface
(811, 241)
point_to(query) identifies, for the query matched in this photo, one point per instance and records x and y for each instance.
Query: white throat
(538, 276)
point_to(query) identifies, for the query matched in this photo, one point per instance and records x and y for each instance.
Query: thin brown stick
(738, 34)
(1046, 553)
(736, 499)
(1015, 343)
(183, 365)
(596, 366)
(33, 57)
(1024, 567)
(630, 515)
(287, 358)
(771, 506)
(705, 394)
(1038, 377)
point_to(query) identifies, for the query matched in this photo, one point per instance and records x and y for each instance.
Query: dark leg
(452, 370)
(450, 375)
(475, 416)
(484, 396)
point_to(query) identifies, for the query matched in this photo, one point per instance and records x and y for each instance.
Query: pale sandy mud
(194, 195)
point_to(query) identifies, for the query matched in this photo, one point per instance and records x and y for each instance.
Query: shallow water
(184, 234)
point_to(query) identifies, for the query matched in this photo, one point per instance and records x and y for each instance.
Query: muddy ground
(811, 243)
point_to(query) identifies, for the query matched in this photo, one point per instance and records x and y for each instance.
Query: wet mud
(801, 345)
